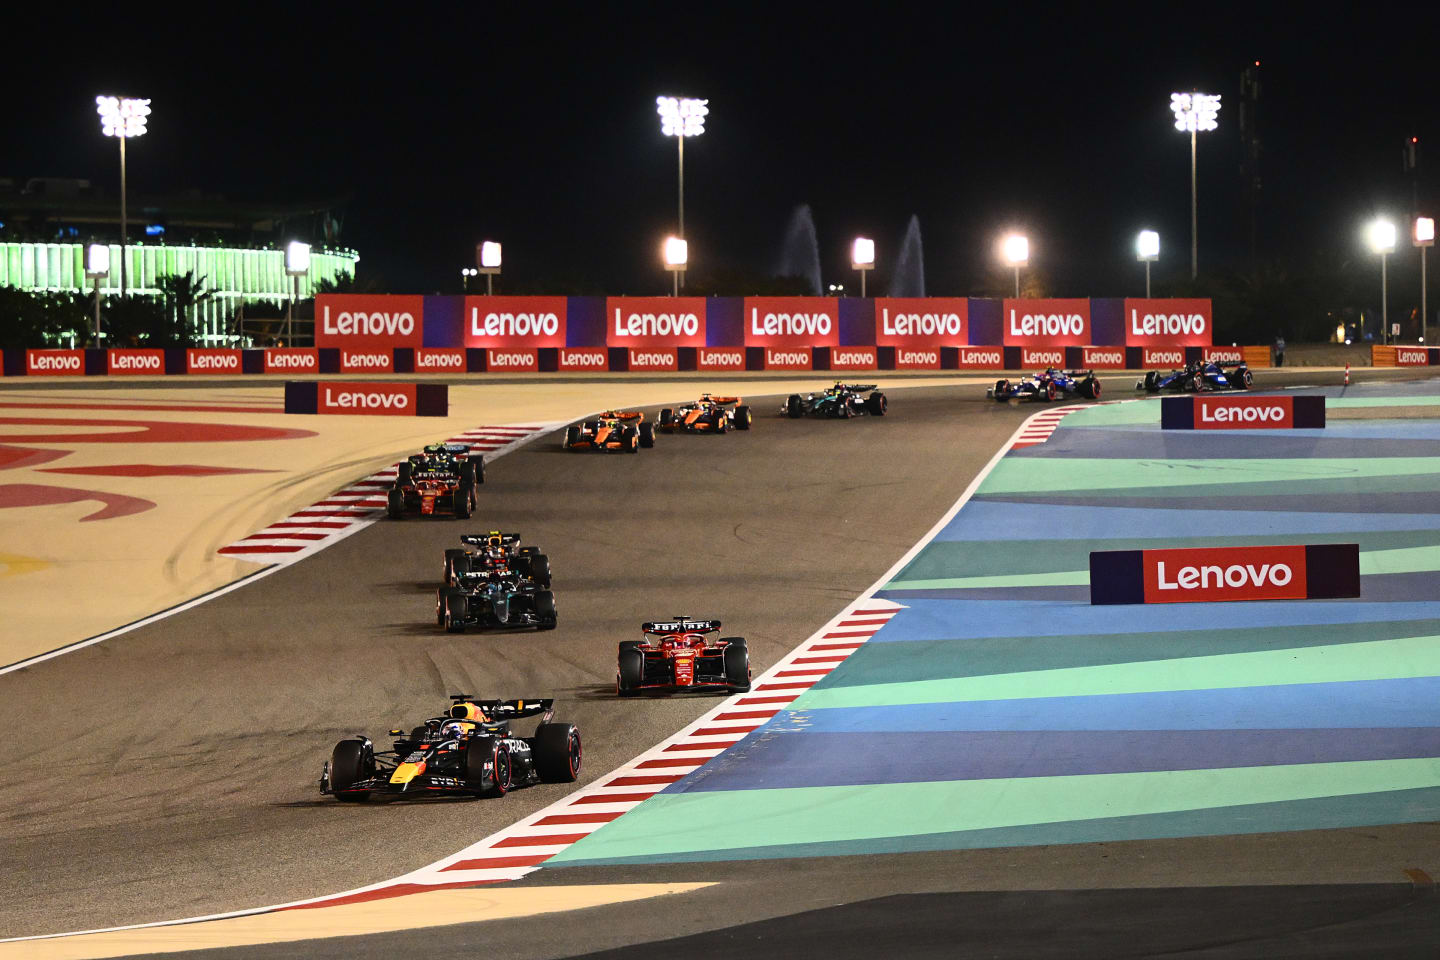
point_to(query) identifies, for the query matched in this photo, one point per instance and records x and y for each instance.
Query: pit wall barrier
(570, 360)
(1403, 356)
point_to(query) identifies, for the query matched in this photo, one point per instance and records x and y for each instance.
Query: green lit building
(236, 250)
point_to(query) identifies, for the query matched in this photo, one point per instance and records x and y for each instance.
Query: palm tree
(180, 294)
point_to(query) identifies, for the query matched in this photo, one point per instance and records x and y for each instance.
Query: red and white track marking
(521, 848)
(1038, 428)
(347, 511)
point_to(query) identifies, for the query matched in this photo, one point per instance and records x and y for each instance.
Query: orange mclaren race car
(675, 655)
(624, 430)
(707, 415)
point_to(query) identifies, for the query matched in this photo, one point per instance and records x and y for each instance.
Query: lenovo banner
(1162, 356)
(440, 360)
(855, 358)
(134, 362)
(788, 358)
(512, 361)
(367, 361)
(526, 322)
(792, 322)
(981, 358)
(1222, 354)
(357, 321)
(55, 363)
(1216, 574)
(653, 359)
(1242, 413)
(917, 358)
(1042, 357)
(368, 399)
(1102, 358)
(1412, 357)
(292, 360)
(720, 358)
(571, 359)
(921, 322)
(1182, 323)
(655, 321)
(203, 360)
(1046, 323)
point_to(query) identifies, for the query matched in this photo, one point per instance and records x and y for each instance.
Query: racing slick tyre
(456, 608)
(403, 471)
(395, 504)
(478, 462)
(794, 408)
(572, 437)
(491, 750)
(876, 404)
(545, 610)
(743, 417)
(450, 557)
(557, 752)
(629, 671)
(349, 764)
(632, 440)
(1047, 392)
(467, 472)
(1241, 379)
(464, 498)
(667, 419)
(1152, 382)
(1089, 388)
(737, 665)
(539, 567)
(1002, 390)
(647, 435)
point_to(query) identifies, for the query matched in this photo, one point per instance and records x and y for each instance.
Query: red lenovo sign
(204, 360)
(1047, 357)
(55, 363)
(1222, 355)
(720, 358)
(1412, 357)
(440, 360)
(1219, 574)
(1046, 323)
(570, 359)
(380, 399)
(1103, 358)
(292, 360)
(1185, 323)
(1162, 356)
(1232, 412)
(788, 358)
(512, 361)
(982, 358)
(367, 361)
(792, 322)
(854, 358)
(134, 362)
(526, 322)
(654, 358)
(364, 321)
(921, 321)
(655, 321)
(917, 358)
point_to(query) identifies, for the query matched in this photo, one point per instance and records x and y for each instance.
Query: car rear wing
(725, 401)
(680, 625)
(480, 540)
(543, 707)
(857, 387)
(457, 447)
(1079, 373)
(622, 415)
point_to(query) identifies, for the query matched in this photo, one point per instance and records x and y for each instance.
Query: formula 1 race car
(470, 751)
(440, 479)
(842, 400)
(707, 415)
(1049, 385)
(675, 655)
(625, 430)
(1197, 377)
(481, 553)
(497, 598)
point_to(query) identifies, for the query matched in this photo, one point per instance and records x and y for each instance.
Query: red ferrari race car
(623, 430)
(709, 414)
(675, 655)
(442, 479)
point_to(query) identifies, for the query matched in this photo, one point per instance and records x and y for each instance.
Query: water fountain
(908, 277)
(800, 255)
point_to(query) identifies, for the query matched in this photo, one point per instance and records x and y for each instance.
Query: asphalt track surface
(170, 772)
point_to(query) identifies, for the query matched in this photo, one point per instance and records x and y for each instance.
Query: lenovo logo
(279, 361)
(1046, 325)
(1166, 324)
(1041, 358)
(581, 359)
(1171, 322)
(356, 361)
(359, 323)
(44, 361)
(1223, 355)
(813, 325)
(135, 362)
(1210, 574)
(1232, 412)
(1113, 358)
(202, 361)
(513, 324)
(501, 360)
(852, 359)
(669, 325)
(1411, 357)
(932, 325)
(982, 358)
(430, 360)
(364, 400)
(1154, 358)
(710, 358)
(782, 359)
(924, 359)
(653, 359)
(1227, 415)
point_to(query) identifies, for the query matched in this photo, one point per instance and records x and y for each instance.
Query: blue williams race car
(1049, 385)
(1198, 376)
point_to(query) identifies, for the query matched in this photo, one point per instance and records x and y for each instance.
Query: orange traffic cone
(1347, 374)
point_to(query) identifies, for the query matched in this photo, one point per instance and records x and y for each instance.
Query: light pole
(297, 264)
(1016, 251)
(97, 268)
(677, 253)
(487, 254)
(122, 118)
(1382, 241)
(1147, 251)
(862, 258)
(682, 117)
(466, 273)
(1424, 236)
(1195, 112)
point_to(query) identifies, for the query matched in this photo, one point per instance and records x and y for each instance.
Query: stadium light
(1423, 236)
(682, 117)
(122, 118)
(1381, 234)
(1015, 248)
(487, 255)
(677, 255)
(1147, 251)
(1195, 112)
(862, 258)
(297, 264)
(97, 268)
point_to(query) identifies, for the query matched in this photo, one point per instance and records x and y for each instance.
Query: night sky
(539, 130)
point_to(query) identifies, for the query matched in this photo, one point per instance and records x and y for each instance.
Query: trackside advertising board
(655, 322)
(1045, 323)
(212, 360)
(292, 360)
(791, 322)
(570, 359)
(981, 358)
(720, 358)
(921, 321)
(855, 358)
(367, 322)
(367, 361)
(1103, 358)
(1216, 574)
(367, 399)
(440, 360)
(1242, 413)
(1169, 323)
(55, 363)
(524, 322)
(134, 362)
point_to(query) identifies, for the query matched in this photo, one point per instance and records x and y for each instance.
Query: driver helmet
(495, 554)
(454, 729)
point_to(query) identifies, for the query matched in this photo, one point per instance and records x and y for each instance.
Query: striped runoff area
(1040, 427)
(998, 708)
(357, 506)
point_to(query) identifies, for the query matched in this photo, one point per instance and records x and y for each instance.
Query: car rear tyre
(457, 609)
(557, 752)
(876, 404)
(743, 417)
(540, 570)
(464, 497)
(629, 671)
(632, 440)
(395, 504)
(1002, 390)
(403, 471)
(647, 435)
(478, 462)
(737, 665)
(350, 763)
(1242, 379)
(572, 437)
(793, 407)
(1089, 388)
(1152, 382)
(1047, 392)
(667, 418)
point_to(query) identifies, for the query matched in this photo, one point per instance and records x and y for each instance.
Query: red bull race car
(676, 655)
(471, 751)
(439, 480)
(709, 414)
(623, 430)
(484, 552)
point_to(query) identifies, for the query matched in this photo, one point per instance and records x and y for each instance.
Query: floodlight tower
(487, 254)
(1016, 250)
(681, 117)
(1381, 234)
(676, 253)
(1423, 237)
(1195, 112)
(1147, 251)
(122, 118)
(862, 258)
